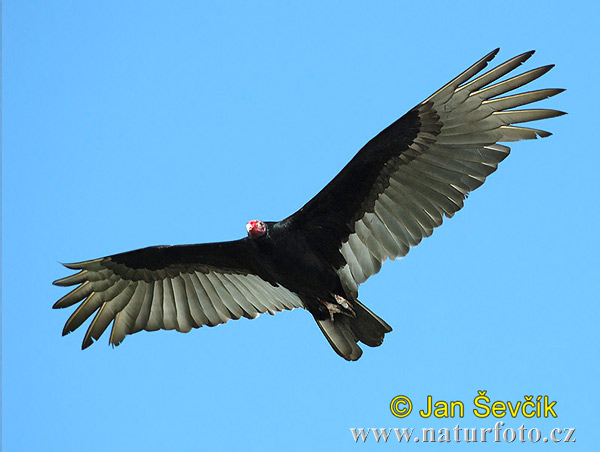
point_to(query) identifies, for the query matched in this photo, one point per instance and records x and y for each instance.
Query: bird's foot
(345, 304)
(342, 306)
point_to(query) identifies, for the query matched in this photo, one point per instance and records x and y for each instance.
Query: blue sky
(129, 124)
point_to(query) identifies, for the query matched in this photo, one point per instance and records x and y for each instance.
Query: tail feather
(340, 337)
(344, 332)
(368, 327)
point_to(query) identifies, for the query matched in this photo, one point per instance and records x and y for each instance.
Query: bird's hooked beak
(256, 229)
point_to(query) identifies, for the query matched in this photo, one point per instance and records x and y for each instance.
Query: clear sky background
(129, 124)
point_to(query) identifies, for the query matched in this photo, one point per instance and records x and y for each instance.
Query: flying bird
(396, 190)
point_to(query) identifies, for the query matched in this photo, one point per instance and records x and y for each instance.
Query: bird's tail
(344, 332)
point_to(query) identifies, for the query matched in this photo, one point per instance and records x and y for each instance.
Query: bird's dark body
(393, 193)
(298, 267)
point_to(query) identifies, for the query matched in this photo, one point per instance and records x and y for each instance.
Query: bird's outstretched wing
(402, 183)
(171, 287)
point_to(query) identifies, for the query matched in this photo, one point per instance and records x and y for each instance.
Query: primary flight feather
(394, 192)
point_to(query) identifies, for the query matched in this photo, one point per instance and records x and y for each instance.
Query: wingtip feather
(526, 55)
(71, 280)
(73, 297)
(81, 265)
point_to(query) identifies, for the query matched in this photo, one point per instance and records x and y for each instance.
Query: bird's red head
(256, 229)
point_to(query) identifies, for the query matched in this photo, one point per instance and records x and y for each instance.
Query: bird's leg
(332, 308)
(342, 306)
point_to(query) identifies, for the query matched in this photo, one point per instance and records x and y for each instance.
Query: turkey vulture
(394, 192)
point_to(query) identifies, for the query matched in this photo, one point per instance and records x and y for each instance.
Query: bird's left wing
(402, 183)
(171, 287)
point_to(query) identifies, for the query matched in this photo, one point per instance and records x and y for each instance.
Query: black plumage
(394, 192)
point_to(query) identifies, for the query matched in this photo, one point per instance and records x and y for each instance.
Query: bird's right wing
(171, 287)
